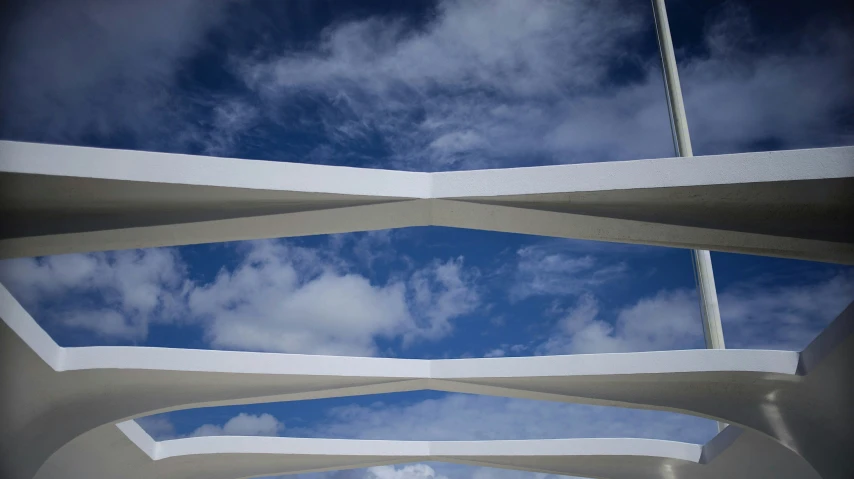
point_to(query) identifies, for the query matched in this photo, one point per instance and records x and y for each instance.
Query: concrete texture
(69, 412)
(64, 199)
(133, 454)
(60, 406)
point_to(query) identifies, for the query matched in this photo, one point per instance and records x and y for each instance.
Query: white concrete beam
(62, 199)
(206, 171)
(53, 396)
(127, 451)
(512, 219)
(300, 223)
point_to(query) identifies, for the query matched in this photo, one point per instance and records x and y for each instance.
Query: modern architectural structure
(69, 412)
(791, 204)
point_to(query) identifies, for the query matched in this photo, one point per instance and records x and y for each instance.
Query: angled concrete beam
(513, 219)
(127, 451)
(52, 396)
(342, 219)
(58, 162)
(62, 199)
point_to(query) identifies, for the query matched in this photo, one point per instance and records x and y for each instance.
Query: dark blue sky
(425, 86)
(74, 74)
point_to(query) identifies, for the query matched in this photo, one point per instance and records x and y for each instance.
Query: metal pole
(703, 274)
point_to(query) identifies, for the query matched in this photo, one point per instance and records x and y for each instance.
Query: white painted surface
(131, 165)
(94, 388)
(60, 406)
(62, 199)
(730, 169)
(734, 454)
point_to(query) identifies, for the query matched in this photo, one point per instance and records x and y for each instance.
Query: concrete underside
(62, 199)
(60, 406)
(68, 412)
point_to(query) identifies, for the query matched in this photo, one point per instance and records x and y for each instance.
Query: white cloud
(440, 292)
(410, 471)
(243, 425)
(230, 118)
(480, 84)
(506, 83)
(159, 427)
(288, 299)
(368, 247)
(669, 320)
(279, 298)
(746, 91)
(482, 76)
(491, 473)
(284, 298)
(433, 470)
(760, 314)
(98, 68)
(114, 294)
(756, 313)
(501, 44)
(463, 417)
(469, 417)
(549, 269)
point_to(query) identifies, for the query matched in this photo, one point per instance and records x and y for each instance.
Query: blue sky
(425, 86)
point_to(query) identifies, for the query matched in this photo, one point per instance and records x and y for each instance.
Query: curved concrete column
(127, 451)
(62, 199)
(51, 395)
(808, 408)
(54, 396)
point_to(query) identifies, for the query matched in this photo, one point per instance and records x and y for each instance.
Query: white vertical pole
(703, 274)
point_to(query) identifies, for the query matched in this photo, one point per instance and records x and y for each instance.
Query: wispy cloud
(479, 79)
(478, 84)
(756, 313)
(115, 295)
(102, 69)
(469, 417)
(669, 320)
(284, 298)
(549, 269)
(409, 471)
(278, 297)
(243, 425)
(464, 417)
(498, 83)
(761, 314)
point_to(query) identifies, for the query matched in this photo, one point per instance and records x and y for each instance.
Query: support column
(703, 274)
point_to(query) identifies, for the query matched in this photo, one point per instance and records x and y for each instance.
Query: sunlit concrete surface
(65, 199)
(127, 451)
(58, 404)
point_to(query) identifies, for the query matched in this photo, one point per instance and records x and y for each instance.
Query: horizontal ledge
(650, 362)
(196, 170)
(421, 449)
(116, 199)
(170, 168)
(728, 169)
(195, 360)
